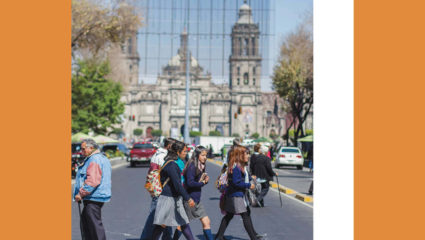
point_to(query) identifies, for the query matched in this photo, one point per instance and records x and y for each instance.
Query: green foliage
(255, 135)
(309, 132)
(96, 104)
(156, 132)
(273, 135)
(117, 131)
(235, 135)
(214, 133)
(195, 134)
(138, 132)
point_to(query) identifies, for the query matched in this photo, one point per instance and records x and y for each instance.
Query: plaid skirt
(170, 212)
(196, 212)
(235, 205)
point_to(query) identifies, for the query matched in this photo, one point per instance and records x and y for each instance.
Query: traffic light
(239, 110)
(236, 115)
(134, 117)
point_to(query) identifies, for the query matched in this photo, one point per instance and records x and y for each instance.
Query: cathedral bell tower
(245, 60)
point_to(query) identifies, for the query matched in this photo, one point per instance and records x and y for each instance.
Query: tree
(255, 135)
(235, 135)
(156, 132)
(293, 75)
(195, 134)
(214, 133)
(95, 24)
(137, 131)
(96, 104)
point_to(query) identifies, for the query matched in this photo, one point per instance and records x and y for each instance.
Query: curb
(280, 188)
(303, 198)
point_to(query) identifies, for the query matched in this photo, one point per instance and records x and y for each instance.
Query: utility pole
(186, 117)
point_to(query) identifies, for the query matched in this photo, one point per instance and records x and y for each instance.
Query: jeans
(264, 189)
(148, 228)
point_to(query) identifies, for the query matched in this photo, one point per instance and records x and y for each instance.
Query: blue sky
(158, 47)
(288, 14)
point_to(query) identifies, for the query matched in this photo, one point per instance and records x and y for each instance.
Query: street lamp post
(186, 117)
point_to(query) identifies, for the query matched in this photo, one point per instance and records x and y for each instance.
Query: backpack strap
(168, 179)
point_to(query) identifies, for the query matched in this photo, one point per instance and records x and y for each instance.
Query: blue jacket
(236, 183)
(93, 179)
(193, 186)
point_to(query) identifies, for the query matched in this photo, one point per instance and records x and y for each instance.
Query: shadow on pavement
(228, 237)
(214, 198)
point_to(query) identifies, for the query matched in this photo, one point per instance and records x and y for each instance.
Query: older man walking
(93, 188)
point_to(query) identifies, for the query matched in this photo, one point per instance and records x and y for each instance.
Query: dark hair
(168, 141)
(176, 147)
(257, 147)
(195, 159)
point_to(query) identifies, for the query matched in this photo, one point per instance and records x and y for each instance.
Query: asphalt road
(291, 177)
(125, 215)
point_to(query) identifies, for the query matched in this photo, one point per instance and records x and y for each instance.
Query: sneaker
(261, 235)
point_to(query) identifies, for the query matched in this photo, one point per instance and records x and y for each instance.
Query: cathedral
(236, 108)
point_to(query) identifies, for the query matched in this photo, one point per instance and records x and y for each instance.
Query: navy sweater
(192, 184)
(174, 186)
(237, 185)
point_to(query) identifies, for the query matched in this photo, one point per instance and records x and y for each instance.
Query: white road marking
(291, 197)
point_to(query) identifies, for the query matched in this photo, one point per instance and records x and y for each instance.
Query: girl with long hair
(235, 198)
(195, 178)
(170, 210)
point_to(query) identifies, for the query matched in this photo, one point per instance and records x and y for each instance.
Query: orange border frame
(35, 100)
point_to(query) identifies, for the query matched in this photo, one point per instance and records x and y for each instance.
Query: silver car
(289, 156)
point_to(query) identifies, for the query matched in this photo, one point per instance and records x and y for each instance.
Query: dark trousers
(247, 223)
(264, 190)
(92, 221)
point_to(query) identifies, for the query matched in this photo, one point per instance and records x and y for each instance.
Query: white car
(289, 156)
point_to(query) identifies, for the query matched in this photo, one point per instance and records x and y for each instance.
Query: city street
(125, 215)
(291, 177)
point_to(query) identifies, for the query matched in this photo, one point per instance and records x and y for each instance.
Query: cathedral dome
(174, 61)
(245, 16)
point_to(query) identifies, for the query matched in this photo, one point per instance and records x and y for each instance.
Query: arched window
(240, 46)
(253, 47)
(239, 71)
(245, 79)
(253, 81)
(246, 46)
(239, 81)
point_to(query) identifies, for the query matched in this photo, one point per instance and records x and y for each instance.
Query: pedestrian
(93, 188)
(157, 161)
(196, 177)
(170, 210)
(253, 158)
(235, 198)
(261, 170)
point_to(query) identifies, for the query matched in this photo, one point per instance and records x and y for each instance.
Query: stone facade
(238, 107)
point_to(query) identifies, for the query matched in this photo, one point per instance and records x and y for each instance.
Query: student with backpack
(170, 210)
(157, 161)
(235, 199)
(195, 178)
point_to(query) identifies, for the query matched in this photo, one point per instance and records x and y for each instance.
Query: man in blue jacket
(93, 187)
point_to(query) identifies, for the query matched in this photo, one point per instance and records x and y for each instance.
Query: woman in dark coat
(262, 171)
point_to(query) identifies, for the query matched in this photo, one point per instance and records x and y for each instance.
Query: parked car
(116, 147)
(289, 156)
(76, 158)
(141, 152)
